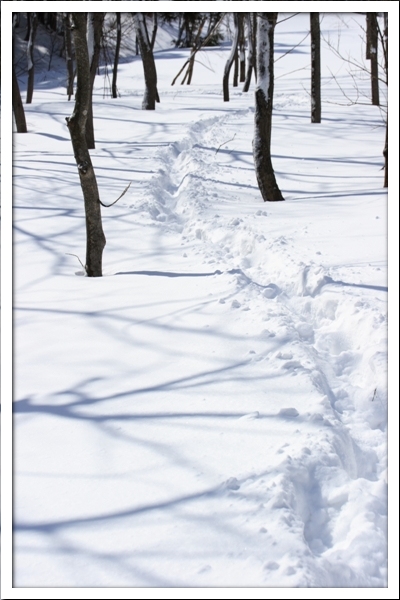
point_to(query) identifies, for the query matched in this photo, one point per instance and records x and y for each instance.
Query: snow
(212, 412)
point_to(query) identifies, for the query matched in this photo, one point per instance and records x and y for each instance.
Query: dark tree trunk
(385, 154)
(235, 81)
(28, 27)
(368, 41)
(154, 32)
(374, 59)
(315, 68)
(116, 57)
(68, 55)
(242, 50)
(263, 110)
(196, 46)
(385, 56)
(94, 28)
(31, 69)
(95, 239)
(229, 62)
(18, 108)
(149, 67)
(251, 32)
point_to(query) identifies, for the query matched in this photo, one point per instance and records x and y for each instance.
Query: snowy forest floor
(213, 410)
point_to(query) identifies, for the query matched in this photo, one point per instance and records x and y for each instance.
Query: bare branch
(119, 198)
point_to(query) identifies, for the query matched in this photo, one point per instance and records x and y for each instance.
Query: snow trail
(318, 344)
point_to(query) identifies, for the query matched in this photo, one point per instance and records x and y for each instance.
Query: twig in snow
(223, 144)
(69, 254)
(119, 198)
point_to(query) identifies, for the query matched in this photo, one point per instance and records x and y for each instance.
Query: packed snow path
(211, 412)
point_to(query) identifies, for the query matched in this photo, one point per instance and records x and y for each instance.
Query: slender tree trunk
(28, 27)
(229, 62)
(385, 154)
(385, 56)
(68, 55)
(94, 33)
(154, 32)
(251, 50)
(315, 68)
(374, 59)
(242, 49)
(368, 44)
(263, 110)
(149, 68)
(31, 68)
(17, 105)
(196, 46)
(116, 57)
(95, 239)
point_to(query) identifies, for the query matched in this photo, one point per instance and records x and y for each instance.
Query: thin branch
(76, 256)
(223, 144)
(119, 198)
(291, 49)
(287, 18)
(199, 48)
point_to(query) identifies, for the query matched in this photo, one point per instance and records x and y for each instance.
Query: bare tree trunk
(374, 59)
(95, 238)
(242, 50)
(68, 55)
(149, 68)
(251, 29)
(116, 57)
(196, 46)
(31, 69)
(17, 105)
(94, 33)
(368, 44)
(263, 110)
(385, 56)
(385, 154)
(154, 32)
(315, 68)
(229, 62)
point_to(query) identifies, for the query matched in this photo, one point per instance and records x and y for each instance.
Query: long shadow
(168, 273)
(377, 288)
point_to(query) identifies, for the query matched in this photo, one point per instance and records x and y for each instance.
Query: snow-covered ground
(213, 410)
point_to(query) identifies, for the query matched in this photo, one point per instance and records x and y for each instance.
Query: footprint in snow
(290, 413)
(271, 291)
(232, 484)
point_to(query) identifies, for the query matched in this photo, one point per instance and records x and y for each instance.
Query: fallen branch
(223, 144)
(119, 198)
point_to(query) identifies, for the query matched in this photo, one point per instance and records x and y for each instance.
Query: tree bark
(374, 59)
(95, 239)
(385, 154)
(263, 108)
(94, 33)
(68, 55)
(251, 37)
(17, 105)
(116, 57)
(149, 67)
(229, 62)
(33, 20)
(242, 50)
(315, 68)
